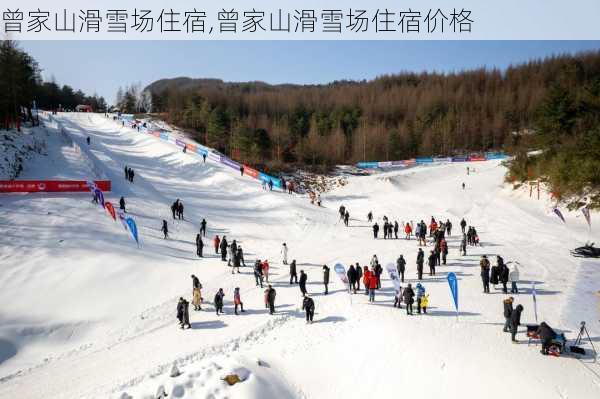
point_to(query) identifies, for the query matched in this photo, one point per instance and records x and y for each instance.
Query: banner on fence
(476, 158)
(424, 160)
(51, 186)
(179, 143)
(164, 136)
(230, 163)
(385, 164)
(265, 177)
(442, 159)
(367, 165)
(460, 159)
(251, 172)
(214, 157)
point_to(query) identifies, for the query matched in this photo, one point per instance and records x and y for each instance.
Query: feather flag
(559, 214)
(132, 228)
(121, 215)
(586, 214)
(111, 210)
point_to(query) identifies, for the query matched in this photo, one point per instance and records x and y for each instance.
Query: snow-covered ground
(85, 313)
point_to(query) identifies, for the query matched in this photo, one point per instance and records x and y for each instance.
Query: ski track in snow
(107, 321)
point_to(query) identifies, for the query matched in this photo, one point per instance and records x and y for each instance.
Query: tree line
(392, 117)
(21, 86)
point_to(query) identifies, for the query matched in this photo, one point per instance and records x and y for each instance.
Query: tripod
(583, 330)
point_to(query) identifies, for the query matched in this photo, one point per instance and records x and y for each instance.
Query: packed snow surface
(85, 313)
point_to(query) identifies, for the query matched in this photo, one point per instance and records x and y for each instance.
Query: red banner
(50, 186)
(476, 159)
(191, 147)
(250, 172)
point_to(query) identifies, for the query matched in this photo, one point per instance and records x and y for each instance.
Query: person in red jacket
(373, 284)
(408, 231)
(366, 278)
(217, 242)
(432, 227)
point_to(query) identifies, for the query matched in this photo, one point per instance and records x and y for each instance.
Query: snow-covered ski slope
(85, 313)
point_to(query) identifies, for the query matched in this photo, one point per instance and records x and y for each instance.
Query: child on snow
(237, 300)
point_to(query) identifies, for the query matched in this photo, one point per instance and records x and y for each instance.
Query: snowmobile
(587, 251)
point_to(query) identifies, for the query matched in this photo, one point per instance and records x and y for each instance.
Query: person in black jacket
(122, 204)
(359, 273)
(293, 274)
(463, 224)
(302, 283)
(165, 229)
(515, 322)
(223, 247)
(271, 298)
(308, 305)
(546, 334)
(508, 309)
(401, 267)
(375, 230)
(203, 227)
(351, 273)
(420, 260)
(326, 278)
(408, 295)
(431, 261)
(199, 245)
(219, 301)
(484, 263)
(258, 274)
(503, 274)
(183, 313)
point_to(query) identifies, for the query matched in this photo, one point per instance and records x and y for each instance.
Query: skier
(463, 224)
(401, 267)
(407, 231)
(302, 282)
(372, 285)
(396, 227)
(444, 250)
(346, 218)
(484, 263)
(375, 230)
(513, 277)
(265, 270)
(122, 204)
(326, 278)
(515, 322)
(293, 274)
(271, 299)
(308, 305)
(165, 229)
(258, 276)
(237, 300)
(370, 217)
(219, 301)
(431, 261)
(183, 313)
(216, 243)
(351, 274)
(203, 228)
(420, 261)
(196, 293)
(508, 308)
(420, 294)
(223, 247)
(359, 273)
(199, 245)
(408, 295)
(284, 253)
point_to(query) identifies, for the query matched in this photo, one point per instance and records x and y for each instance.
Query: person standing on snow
(351, 274)
(359, 273)
(401, 267)
(515, 322)
(165, 229)
(484, 263)
(230, 252)
(508, 309)
(396, 228)
(271, 299)
(420, 294)
(236, 261)
(503, 274)
(174, 207)
(463, 225)
(444, 250)
(448, 227)
(183, 313)
(342, 211)
(385, 230)
(463, 245)
(258, 276)
(420, 261)
(203, 228)
(223, 247)
(407, 231)
(122, 204)
(513, 277)
(284, 253)
(346, 218)
(326, 278)
(199, 245)
(180, 211)
(375, 230)
(265, 270)
(216, 243)
(219, 301)
(372, 285)
(408, 295)
(196, 293)
(366, 278)
(431, 263)
(240, 257)
(370, 217)
(293, 274)
(308, 305)
(237, 300)
(302, 283)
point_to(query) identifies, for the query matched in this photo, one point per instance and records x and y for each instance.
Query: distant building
(84, 108)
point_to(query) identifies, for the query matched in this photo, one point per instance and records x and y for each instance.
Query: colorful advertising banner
(51, 186)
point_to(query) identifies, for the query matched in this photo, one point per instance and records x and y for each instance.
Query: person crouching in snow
(308, 305)
(237, 300)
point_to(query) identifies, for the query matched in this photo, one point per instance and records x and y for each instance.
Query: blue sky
(101, 67)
